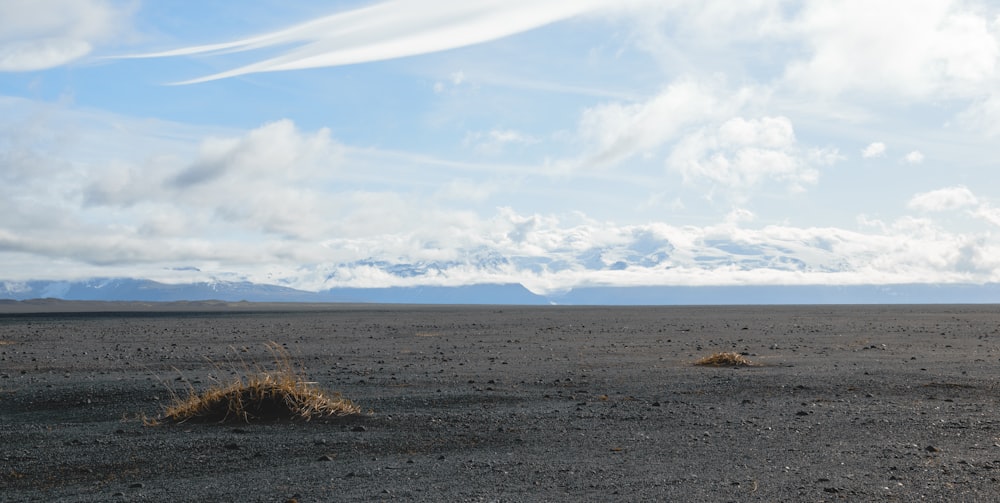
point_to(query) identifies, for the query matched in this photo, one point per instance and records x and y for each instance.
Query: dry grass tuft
(730, 359)
(261, 396)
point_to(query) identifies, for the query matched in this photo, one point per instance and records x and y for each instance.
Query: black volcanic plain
(501, 403)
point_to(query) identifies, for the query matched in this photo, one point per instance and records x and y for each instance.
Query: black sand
(510, 404)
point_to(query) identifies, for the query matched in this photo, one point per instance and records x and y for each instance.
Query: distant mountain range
(509, 294)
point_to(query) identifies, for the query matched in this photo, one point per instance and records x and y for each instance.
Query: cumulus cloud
(40, 34)
(617, 131)
(895, 47)
(741, 153)
(946, 199)
(957, 198)
(914, 157)
(988, 213)
(273, 150)
(876, 149)
(391, 29)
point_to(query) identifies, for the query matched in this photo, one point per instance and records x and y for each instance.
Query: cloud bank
(282, 205)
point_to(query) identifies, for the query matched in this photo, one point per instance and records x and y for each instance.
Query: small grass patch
(281, 394)
(730, 359)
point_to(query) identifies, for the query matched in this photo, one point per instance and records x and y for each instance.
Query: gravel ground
(853, 403)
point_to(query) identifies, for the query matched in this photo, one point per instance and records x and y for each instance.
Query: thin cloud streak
(390, 30)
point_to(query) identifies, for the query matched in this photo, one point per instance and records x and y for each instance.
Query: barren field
(853, 403)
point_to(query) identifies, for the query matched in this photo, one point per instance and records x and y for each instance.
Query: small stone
(931, 448)
(326, 457)
(359, 428)
(137, 485)
(232, 446)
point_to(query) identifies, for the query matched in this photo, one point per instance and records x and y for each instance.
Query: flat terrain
(852, 403)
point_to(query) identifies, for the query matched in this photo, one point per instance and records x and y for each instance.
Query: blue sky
(549, 143)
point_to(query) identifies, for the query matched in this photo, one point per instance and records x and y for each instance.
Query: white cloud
(988, 213)
(876, 149)
(273, 151)
(950, 198)
(740, 153)
(41, 53)
(464, 189)
(616, 131)
(455, 79)
(738, 215)
(895, 47)
(497, 140)
(914, 157)
(767, 132)
(270, 180)
(392, 29)
(983, 116)
(40, 34)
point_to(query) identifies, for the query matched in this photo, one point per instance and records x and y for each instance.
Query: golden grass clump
(260, 396)
(730, 359)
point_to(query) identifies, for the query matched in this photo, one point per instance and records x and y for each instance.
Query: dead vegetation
(729, 359)
(259, 395)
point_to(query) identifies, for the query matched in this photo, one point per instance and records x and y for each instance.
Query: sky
(551, 143)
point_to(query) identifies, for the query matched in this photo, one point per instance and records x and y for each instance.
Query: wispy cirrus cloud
(389, 30)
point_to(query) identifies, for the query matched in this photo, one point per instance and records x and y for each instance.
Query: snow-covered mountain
(637, 266)
(510, 294)
(151, 291)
